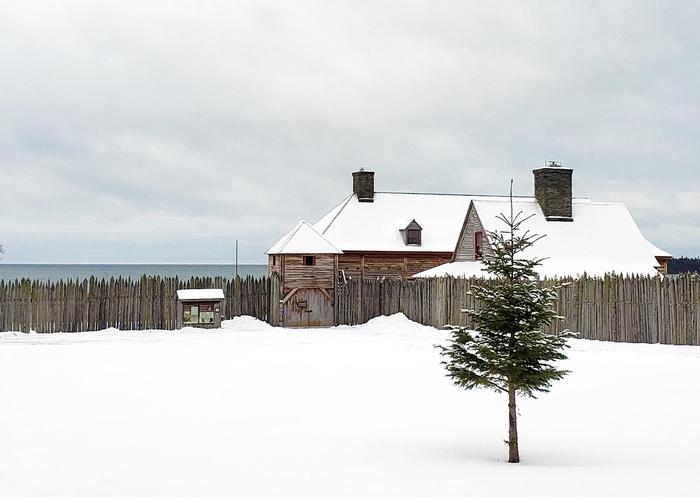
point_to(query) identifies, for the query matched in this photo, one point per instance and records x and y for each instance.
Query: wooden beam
(288, 296)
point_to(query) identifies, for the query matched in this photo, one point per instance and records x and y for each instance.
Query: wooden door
(307, 308)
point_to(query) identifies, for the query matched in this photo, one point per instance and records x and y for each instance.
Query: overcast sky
(162, 131)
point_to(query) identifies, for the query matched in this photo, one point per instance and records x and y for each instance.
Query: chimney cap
(553, 165)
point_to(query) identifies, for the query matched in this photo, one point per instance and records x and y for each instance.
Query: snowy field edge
(353, 410)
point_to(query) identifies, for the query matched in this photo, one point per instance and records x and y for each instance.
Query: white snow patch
(354, 225)
(603, 238)
(246, 323)
(396, 324)
(461, 269)
(200, 294)
(351, 411)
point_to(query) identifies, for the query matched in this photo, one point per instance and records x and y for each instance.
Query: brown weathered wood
(632, 309)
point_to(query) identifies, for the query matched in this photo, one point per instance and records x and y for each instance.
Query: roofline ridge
(458, 194)
(347, 201)
(311, 226)
(292, 233)
(322, 235)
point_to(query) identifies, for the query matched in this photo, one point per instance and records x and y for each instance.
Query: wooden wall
(146, 303)
(274, 264)
(614, 308)
(296, 275)
(398, 265)
(465, 244)
(621, 309)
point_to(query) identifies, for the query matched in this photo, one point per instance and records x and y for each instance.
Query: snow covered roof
(658, 252)
(462, 269)
(374, 226)
(201, 294)
(603, 238)
(303, 239)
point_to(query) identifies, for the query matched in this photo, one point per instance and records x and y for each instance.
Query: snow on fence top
(201, 294)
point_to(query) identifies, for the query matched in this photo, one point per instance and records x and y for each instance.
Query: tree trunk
(513, 452)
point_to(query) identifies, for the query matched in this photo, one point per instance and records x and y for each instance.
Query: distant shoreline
(55, 272)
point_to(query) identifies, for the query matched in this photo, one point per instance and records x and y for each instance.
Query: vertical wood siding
(465, 245)
(145, 303)
(614, 308)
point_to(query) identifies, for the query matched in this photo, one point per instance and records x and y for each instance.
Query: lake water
(55, 272)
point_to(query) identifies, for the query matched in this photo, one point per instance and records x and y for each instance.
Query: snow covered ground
(362, 411)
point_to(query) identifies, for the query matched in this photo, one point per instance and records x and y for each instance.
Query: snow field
(350, 411)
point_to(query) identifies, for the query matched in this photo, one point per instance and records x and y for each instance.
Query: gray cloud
(161, 132)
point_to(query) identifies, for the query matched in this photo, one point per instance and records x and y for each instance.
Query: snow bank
(395, 324)
(246, 323)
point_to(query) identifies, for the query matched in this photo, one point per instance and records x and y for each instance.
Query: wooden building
(379, 234)
(369, 234)
(199, 308)
(307, 265)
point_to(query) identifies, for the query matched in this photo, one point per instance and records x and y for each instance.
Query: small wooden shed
(307, 264)
(200, 308)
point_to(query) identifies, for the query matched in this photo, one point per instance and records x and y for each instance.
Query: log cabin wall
(465, 245)
(295, 274)
(274, 264)
(395, 265)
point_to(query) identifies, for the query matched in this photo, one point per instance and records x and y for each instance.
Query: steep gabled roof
(602, 238)
(659, 252)
(375, 226)
(303, 239)
(411, 224)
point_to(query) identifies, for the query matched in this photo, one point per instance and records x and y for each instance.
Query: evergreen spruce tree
(507, 351)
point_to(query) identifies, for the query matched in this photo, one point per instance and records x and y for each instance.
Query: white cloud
(160, 131)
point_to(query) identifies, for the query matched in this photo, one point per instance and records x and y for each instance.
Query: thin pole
(236, 258)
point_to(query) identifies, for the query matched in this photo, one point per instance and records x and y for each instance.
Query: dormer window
(412, 234)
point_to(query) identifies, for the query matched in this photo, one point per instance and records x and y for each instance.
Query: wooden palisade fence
(614, 308)
(146, 303)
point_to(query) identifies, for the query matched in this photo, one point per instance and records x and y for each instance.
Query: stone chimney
(363, 185)
(553, 191)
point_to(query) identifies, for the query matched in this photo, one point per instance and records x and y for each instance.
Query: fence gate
(307, 307)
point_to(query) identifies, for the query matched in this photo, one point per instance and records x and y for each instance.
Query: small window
(413, 237)
(309, 260)
(206, 313)
(411, 233)
(274, 260)
(191, 314)
(478, 245)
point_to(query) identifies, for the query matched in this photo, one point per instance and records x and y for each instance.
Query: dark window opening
(309, 260)
(478, 245)
(413, 237)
